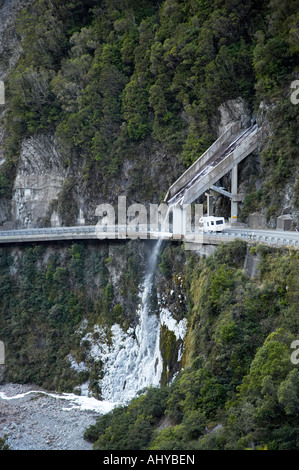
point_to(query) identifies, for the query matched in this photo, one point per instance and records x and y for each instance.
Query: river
(34, 419)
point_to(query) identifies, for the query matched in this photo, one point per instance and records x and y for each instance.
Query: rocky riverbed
(33, 419)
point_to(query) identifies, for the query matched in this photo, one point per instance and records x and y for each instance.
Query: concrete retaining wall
(257, 220)
(284, 222)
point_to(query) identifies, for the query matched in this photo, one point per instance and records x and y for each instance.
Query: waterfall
(132, 360)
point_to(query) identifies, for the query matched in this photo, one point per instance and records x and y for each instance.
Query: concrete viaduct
(222, 157)
(271, 237)
(202, 177)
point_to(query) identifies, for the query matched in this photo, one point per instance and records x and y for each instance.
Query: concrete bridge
(271, 237)
(221, 158)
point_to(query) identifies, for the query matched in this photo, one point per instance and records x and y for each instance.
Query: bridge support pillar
(209, 204)
(234, 191)
(181, 216)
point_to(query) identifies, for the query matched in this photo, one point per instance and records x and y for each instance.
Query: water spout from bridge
(134, 362)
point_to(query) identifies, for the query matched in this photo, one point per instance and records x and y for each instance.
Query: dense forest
(115, 80)
(238, 388)
(138, 84)
(46, 292)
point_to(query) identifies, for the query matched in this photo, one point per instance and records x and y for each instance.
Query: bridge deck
(271, 237)
(217, 161)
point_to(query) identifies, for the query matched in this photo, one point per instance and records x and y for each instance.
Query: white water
(132, 360)
(77, 402)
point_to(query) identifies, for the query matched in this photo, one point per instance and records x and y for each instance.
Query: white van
(212, 224)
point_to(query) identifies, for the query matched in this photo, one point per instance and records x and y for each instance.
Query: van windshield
(219, 222)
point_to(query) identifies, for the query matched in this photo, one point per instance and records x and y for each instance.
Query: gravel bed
(38, 421)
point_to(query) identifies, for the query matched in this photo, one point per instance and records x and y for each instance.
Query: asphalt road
(271, 237)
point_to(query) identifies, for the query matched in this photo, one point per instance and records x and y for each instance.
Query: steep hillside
(238, 387)
(63, 308)
(67, 310)
(108, 98)
(114, 98)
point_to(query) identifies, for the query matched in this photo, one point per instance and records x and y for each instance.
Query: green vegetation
(3, 445)
(110, 80)
(238, 388)
(46, 293)
(129, 89)
(129, 428)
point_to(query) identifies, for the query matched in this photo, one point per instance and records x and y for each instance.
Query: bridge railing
(144, 232)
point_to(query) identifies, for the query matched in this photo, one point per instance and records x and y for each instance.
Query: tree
(3, 444)
(288, 393)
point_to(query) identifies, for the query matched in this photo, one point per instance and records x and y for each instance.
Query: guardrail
(288, 239)
(144, 233)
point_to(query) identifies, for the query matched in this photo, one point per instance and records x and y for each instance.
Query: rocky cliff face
(95, 318)
(10, 49)
(10, 46)
(43, 192)
(232, 111)
(39, 180)
(40, 175)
